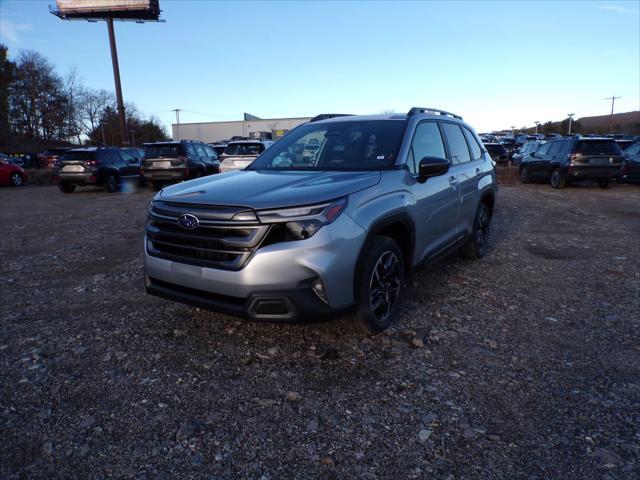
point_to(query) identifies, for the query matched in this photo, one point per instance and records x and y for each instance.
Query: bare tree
(93, 104)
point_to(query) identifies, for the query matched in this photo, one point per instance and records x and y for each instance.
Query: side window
(476, 151)
(457, 144)
(427, 142)
(211, 153)
(555, 147)
(126, 156)
(543, 149)
(200, 150)
(190, 150)
(633, 150)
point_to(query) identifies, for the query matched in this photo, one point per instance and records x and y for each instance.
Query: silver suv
(298, 235)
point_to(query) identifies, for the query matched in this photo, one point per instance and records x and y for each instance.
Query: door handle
(453, 181)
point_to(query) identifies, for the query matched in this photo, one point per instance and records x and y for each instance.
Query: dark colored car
(574, 159)
(526, 149)
(631, 167)
(509, 144)
(48, 157)
(170, 162)
(95, 166)
(624, 144)
(497, 151)
(10, 173)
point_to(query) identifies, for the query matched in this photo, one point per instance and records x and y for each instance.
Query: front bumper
(282, 272)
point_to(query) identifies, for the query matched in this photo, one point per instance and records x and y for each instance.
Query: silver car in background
(239, 155)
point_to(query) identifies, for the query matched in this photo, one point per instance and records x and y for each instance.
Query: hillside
(627, 122)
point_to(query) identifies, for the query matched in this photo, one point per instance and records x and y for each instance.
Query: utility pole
(537, 124)
(177, 110)
(570, 115)
(116, 78)
(613, 101)
(513, 129)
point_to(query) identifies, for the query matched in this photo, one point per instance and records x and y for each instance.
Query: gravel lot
(523, 365)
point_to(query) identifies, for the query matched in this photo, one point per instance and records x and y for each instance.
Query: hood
(261, 189)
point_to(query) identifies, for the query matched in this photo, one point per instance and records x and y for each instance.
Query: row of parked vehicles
(155, 165)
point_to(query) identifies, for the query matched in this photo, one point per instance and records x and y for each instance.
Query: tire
(557, 180)
(111, 183)
(603, 183)
(16, 179)
(525, 176)
(66, 187)
(477, 245)
(379, 283)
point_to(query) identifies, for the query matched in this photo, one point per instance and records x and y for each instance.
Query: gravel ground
(525, 364)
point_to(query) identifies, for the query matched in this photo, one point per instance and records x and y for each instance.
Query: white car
(239, 155)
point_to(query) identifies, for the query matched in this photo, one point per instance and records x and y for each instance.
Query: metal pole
(177, 110)
(116, 78)
(104, 139)
(537, 123)
(613, 101)
(570, 119)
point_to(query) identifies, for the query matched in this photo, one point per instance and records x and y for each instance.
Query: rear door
(437, 199)
(129, 166)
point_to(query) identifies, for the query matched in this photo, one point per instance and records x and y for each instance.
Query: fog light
(318, 288)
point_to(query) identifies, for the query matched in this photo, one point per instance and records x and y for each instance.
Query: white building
(215, 131)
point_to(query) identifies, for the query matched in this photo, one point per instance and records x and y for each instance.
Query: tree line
(39, 106)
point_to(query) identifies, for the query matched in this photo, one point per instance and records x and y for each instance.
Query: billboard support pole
(116, 78)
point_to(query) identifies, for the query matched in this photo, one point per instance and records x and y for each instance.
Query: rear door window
(555, 147)
(543, 150)
(476, 152)
(200, 150)
(458, 149)
(211, 153)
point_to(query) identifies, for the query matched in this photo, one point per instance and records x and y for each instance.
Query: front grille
(217, 241)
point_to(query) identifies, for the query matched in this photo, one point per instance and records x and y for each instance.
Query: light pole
(570, 115)
(537, 125)
(513, 130)
(177, 110)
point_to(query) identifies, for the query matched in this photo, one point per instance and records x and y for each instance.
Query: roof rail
(326, 116)
(416, 110)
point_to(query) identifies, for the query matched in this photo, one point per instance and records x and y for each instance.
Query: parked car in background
(631, 167)
(497, 151)
(571, 159)
(239, 155)
(15, 160)
(104, 167)
(10, 173)
(624, 144)
(509, 144)
(276, 241)
(552, 136)
(48, 157)
(526, 149)
(170, 162)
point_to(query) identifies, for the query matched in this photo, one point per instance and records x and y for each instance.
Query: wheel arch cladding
(489, 200)
(399, 228)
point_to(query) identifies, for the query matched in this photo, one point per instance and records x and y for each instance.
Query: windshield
(240, 149)
(597, 147)
(165, 150)
(345, 145)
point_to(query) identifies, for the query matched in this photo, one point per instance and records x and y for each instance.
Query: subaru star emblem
(188, 221)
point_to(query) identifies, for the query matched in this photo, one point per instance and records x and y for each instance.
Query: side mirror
(432, 167)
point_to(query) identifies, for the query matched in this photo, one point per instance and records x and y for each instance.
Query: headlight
(303, 222)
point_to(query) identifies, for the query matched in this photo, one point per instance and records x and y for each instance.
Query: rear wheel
(111, 183)
(66, 187)
(478, 243)
(378, 286)
(16, 179)
(603, 183)
(557, 180)
(525, 176)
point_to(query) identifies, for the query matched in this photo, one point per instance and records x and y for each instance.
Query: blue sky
(496, 63)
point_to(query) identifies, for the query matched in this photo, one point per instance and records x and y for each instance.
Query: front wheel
(557, 180)
(16, 179)
(378, 286)
(525, 176)
(111, 183)
(603, 183)
(478, 243)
